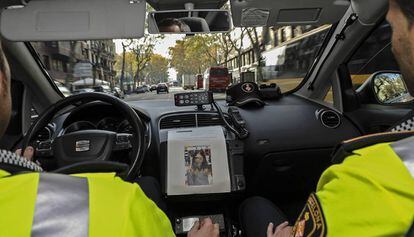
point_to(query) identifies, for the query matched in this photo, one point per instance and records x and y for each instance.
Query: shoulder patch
(311, 221)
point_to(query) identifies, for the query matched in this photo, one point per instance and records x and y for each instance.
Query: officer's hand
(282, 230)
(205, 228)
(28, 153)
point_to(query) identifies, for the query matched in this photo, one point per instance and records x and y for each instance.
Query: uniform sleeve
(368, 194)
(146, 219)
(119, 208)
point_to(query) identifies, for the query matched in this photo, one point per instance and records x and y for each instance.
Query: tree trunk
(136, 77)
(121, 82)
(72, 61)
(239, 64)
(259, 68)
(255, 41)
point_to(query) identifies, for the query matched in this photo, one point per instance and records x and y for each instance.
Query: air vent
(330, 119)
(33, 115)
(44, 134)
(208, 120)
(178, 121)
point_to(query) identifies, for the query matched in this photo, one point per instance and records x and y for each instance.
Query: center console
(188, 207)
(234, 149)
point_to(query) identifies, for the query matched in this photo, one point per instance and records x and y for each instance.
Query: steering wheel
(83, 148)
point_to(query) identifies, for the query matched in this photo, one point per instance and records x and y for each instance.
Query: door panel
(377, 118)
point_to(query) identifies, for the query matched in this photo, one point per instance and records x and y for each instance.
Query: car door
(372, 59)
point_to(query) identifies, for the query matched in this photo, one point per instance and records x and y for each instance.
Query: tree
(224, 46)
(125, 45)
(258, 45)
(209, 45)
(193, 55)
(98, 47)
(389, 87)
(157, 69)
(177, 54)
(224, 43)
(143, 50)
(130, 67)
(201, 53)
(236, 41)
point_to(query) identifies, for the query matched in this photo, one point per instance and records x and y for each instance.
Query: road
(164, 96)
(285, 85)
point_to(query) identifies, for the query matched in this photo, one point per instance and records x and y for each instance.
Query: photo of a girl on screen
(198, 166)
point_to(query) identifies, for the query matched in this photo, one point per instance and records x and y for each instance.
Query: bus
(216, 79)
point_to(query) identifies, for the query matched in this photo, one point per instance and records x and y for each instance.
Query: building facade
(288, 53)
(60, 58)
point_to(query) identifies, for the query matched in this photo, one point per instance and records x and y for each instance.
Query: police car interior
(271, 133)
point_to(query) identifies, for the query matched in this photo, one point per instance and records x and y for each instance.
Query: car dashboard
(290, 140)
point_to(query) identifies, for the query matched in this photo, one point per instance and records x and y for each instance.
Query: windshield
(132, 68)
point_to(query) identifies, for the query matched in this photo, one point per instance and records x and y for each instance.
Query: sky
(160, 48)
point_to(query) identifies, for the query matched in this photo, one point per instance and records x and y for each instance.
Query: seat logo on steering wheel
(82, 145)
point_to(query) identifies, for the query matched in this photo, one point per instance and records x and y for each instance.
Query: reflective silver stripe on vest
(62, 207)
(405, 150)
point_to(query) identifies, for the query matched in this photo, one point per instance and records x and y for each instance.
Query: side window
(373, 55)
(329, 96)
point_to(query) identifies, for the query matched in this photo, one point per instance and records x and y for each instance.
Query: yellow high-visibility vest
(370, 194)
(94, 205)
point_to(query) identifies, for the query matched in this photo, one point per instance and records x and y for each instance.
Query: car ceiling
(156, 4)
(100, 24)
(179, 4)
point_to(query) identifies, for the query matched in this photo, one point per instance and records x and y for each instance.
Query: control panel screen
(193, 98)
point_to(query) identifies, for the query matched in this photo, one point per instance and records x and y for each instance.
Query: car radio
(193, 98)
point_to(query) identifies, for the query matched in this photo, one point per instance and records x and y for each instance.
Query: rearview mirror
(389, 88)
(189, 21)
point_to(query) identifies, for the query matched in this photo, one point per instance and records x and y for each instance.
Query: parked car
(153, 87)
(63, 89)
(84, 90)
(103, 88)
(162, 87)
(141, 89)
(118, 93)
(147, 88)
(173, 83)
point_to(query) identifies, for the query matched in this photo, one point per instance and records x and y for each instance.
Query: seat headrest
(196, 24)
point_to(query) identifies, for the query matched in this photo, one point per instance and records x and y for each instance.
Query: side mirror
(390, 88)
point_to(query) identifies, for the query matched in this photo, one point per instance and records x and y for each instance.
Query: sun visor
(49, 20)
(251, 13)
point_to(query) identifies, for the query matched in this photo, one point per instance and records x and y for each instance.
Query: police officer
(370, 191)
(95, 205)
